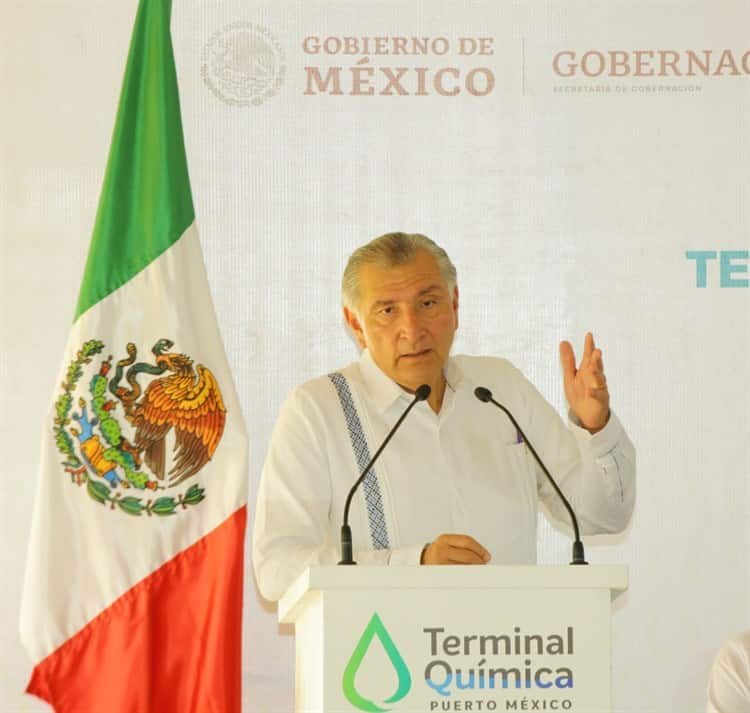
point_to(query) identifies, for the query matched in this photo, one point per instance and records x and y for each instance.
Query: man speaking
(456, 484)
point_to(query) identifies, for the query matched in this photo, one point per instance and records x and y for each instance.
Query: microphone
(421, 394)
(485, 395)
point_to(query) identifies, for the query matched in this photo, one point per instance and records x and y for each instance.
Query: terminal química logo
(375, 629)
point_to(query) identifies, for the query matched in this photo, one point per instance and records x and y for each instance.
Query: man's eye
(429, 303)
(386, 310)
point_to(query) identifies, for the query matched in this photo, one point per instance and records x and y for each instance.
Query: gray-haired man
(456, 484)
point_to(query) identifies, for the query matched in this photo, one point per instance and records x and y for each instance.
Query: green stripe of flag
(146, 203)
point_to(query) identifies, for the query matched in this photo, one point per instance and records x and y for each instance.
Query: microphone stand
(421, 394)
(579, 557)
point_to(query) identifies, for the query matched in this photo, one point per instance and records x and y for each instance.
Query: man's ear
(455, 304)
(354, 324)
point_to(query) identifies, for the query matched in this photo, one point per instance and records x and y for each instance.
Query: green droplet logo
(375, 629)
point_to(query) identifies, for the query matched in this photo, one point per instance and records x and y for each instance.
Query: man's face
(406, 317)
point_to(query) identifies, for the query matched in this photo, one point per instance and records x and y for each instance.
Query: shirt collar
(385, 392)
(453, 374)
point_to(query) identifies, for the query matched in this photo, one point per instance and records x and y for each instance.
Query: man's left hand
(586, 386)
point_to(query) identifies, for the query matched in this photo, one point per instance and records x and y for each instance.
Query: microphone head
(423, 392)
(483, 394)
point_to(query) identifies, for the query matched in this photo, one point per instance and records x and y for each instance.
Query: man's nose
(410, 325)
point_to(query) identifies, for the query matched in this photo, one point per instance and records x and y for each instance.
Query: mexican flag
(133, 593)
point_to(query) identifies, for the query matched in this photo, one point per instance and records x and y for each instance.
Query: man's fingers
(588, 345)
(567, 360)
(463, 542)
(598, 380)
(594, 373)
(597, 360)
(466, 542)
(456, 549)
(588, 350)
(459, 555)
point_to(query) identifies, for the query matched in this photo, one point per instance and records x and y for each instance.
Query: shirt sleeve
(292, 529)
(729, 681)
(595, 472)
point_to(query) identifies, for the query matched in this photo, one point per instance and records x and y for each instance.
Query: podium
(452, 638)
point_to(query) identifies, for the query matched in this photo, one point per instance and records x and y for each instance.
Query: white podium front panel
(481, 644)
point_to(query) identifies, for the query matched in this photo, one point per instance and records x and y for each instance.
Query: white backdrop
(567, 203)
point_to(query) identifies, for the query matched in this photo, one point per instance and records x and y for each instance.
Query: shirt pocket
(609, 467)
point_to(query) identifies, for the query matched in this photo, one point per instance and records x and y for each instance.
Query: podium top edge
(332, 577)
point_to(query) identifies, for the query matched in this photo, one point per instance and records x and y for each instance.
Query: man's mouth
(415, 355)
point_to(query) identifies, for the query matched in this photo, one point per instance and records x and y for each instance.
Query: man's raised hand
(586, 386)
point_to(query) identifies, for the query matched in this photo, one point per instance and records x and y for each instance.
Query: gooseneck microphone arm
(421, 394)
(579, 557)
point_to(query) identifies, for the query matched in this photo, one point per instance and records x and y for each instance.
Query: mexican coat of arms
(115, 437)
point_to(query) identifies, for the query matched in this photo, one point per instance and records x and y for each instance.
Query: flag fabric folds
(133, 590)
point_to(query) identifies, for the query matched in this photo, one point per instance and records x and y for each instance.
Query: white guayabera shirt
(463, 470)
(729, 683)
